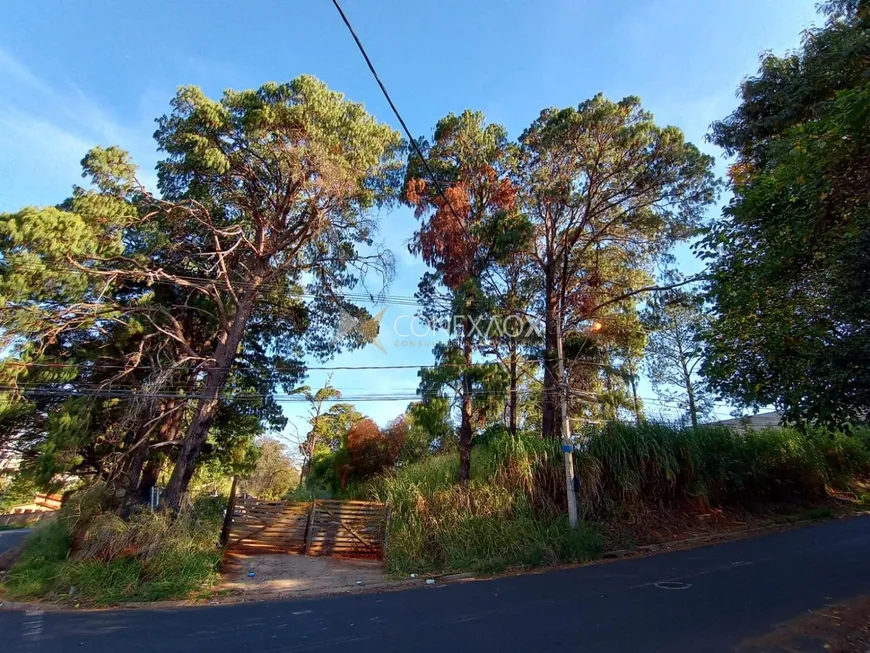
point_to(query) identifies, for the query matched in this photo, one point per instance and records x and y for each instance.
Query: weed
(150, 556)
(511, 513)
(37, 569)
(503, 519)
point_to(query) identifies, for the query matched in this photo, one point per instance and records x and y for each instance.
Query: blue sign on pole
(567, 448)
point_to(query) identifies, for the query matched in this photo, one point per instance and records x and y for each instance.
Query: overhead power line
(177, 392)
(438, 187)
(112, 393)
(277, 369)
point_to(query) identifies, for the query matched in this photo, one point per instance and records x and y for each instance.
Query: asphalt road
(10, 538)
(708, 599)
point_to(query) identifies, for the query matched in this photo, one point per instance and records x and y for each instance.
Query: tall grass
(99, 557)
(623, 467)
(506, 517)
(511, 512)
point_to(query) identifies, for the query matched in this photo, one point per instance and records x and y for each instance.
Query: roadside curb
(446, 579)
(661, 547)
(770, 526)
(215, 600)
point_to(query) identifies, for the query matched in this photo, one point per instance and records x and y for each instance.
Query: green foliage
(37, 569)
(274, 474)
(449, 378)
(431, 427)
(195, 292)
(609, 192)
(506, 517)
(788, 263)
(331, 428)
(511, 514)
(366, 452)
(624, 467)
(469, 226)
(673, 320)
(21, 488)
(149, 557)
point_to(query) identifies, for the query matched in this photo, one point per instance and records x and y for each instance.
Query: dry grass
(652, 479)
(92, 555)
(507, 517)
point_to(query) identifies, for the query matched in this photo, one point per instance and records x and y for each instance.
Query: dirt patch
(841, 628)
(292, 574)
(659, 526)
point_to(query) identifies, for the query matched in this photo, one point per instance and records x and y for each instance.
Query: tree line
(148, 334)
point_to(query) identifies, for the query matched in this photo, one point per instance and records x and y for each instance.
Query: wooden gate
(353, 529)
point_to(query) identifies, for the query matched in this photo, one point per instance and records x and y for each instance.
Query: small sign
(567, 448)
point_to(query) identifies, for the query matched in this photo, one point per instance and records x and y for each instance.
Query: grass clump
(506, 517)
(511, 513)
(106, 559)
(37, 569)
(625, 467)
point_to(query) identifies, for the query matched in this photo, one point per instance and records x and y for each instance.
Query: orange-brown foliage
(446, 240)
(369, 453)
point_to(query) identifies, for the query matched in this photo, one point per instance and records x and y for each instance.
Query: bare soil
(662, 526)
(292, 574)
(840, 628)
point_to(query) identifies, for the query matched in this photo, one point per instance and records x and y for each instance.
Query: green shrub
(507, 517)
(37, 569)
(625, 467)
(511, 514)
(15, 490)
(104, 582)
(149, 556)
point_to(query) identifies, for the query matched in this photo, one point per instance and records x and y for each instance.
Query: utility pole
(567, 444)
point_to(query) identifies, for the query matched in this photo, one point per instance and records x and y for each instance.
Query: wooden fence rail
(24, 519)
(322, 527)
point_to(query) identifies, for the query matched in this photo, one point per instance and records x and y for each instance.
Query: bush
(149, 556)
(36, 571)
(512, 512)
(505, 518)
(16, 490)
(625, 467)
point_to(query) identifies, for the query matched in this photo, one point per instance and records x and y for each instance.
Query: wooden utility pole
(567, 444)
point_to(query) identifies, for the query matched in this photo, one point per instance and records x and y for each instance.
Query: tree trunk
(170, 430)
(465, 431)
(635, 398)
(687, 378)
(229, 514)
(550, 422)
(513, 406)
(216, 379)
(693, 409)
(133, 473)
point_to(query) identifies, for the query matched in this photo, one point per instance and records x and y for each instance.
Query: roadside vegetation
(150, 336)
(512, 513)
(89, 554)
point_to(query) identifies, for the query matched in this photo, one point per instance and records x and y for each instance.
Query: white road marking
(32, 628)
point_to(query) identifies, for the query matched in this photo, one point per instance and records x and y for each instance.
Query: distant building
(755, 422)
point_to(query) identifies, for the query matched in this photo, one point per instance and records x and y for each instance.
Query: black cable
(401, 120)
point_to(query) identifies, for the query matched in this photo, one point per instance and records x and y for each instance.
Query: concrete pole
(567, 444)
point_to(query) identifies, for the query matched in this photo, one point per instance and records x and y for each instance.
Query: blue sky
(76, 74)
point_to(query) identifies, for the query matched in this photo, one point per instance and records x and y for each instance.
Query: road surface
(708, 599)
(10, 538)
